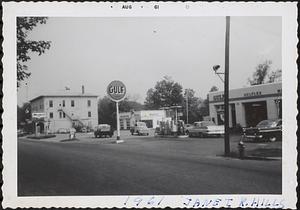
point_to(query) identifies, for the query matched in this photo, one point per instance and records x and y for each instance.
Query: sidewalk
(256, 150)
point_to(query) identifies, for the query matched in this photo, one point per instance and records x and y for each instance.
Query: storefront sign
(257, 93)
(39, 115)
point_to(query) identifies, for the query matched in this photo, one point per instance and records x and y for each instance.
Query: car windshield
(141, 124)
(206, 123)
(266, 123)
(104, 126)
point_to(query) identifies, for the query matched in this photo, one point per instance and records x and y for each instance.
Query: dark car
(270, 130)
(103, 130)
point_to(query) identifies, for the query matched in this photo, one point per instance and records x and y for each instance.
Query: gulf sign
(116, 90)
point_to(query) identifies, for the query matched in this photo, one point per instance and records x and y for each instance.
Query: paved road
(140, 165)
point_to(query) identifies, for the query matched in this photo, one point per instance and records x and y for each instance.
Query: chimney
(82, 89)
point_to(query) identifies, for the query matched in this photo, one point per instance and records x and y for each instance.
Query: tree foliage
(23, 113)
(25, 46)
(196, 109)
(260, 75)
(275, 76)
(168, 93)
(263, 75)
(165, 93)
(107, 109)
(214, 89)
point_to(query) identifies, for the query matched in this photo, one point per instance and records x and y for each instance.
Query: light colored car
(139, 128)
(63, 130)
(205, 128)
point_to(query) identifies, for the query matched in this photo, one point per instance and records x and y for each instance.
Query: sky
(142, 50)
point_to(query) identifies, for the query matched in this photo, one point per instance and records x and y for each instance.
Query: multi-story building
(65, 110)
(247, 106)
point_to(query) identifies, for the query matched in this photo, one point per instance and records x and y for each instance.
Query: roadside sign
(39, 115)
(116, 90)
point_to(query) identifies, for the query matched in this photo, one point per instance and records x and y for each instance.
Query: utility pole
(118, 121)
(187, 106)
(226, 87)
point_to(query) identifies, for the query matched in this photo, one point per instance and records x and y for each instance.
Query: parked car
(63, 130)
(103, 130)
(270, 130)
(21, 132)
(205, 128)
(139, 128)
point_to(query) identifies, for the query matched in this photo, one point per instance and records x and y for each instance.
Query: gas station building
(150, 117)
(247, 106)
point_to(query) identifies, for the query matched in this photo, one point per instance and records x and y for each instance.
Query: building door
(233, 115)
(255, 112)
(40, 128)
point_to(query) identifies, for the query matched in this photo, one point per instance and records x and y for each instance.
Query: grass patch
(67, 140)
(42, 136)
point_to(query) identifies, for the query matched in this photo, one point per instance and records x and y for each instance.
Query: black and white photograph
(150, 107)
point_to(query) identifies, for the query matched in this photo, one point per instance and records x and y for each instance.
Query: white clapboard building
(64, 110)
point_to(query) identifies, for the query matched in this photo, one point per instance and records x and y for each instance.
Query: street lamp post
(226, 86)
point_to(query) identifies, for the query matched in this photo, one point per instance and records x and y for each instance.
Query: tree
(260, 75)
(214, 89)
(275, 76)
(23, 114)
(197, 107)
(25, 46)
(107, 109)
(193, 104)
(165, 93)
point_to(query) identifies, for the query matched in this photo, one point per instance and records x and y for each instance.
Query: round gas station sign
(116, 90)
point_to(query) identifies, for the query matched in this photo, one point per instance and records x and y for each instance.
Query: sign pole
(116, 90)
(118, 121)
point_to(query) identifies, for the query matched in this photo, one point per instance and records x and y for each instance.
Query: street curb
(261, 158)
(169, 136)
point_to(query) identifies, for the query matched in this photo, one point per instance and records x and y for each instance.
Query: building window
(50, 103)
(89, 114)
(60, 114)
(89, 103)
(72, 103)
(51, 115)
(64, 115)
(64, 103)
